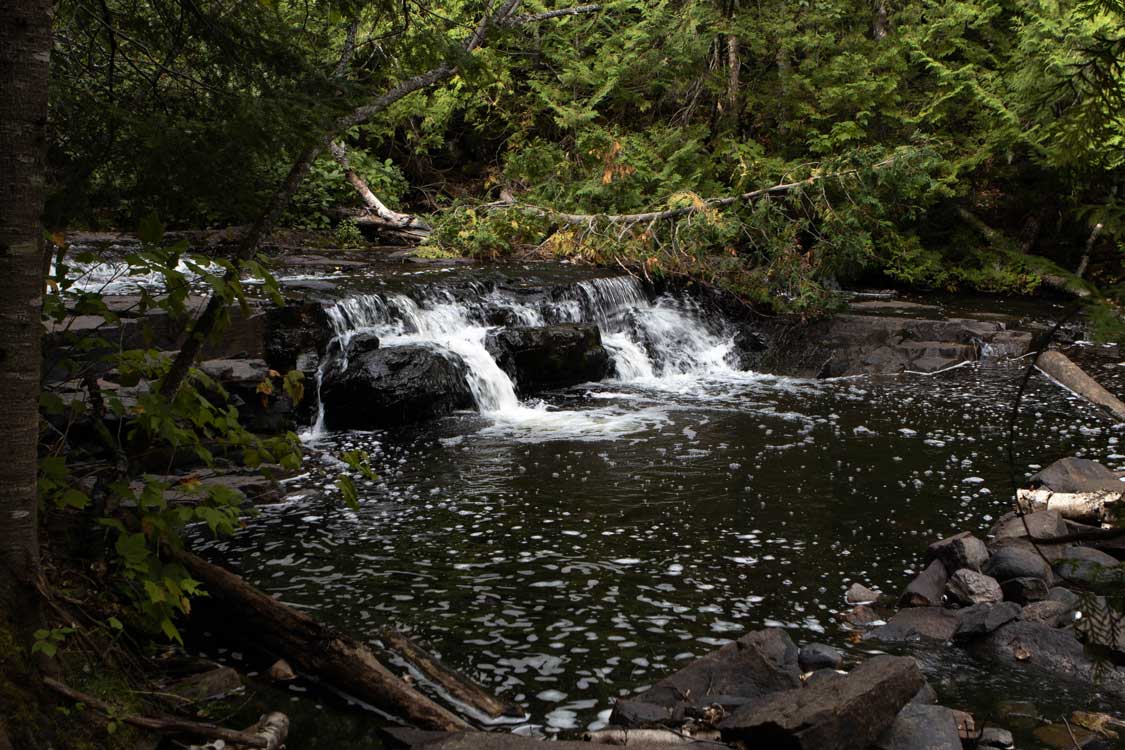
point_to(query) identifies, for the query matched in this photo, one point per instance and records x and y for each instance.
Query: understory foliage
(111, 439)
(1004, 121)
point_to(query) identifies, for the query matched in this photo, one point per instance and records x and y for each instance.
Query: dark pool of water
(566, 563)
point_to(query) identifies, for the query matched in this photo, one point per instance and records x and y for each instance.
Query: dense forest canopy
(952, 145)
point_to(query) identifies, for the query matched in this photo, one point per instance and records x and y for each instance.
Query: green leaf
(151, 231)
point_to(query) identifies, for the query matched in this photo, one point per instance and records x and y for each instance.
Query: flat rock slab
(921, 727)
(917, 623)
(851, 712)
(757, 664)
(413, 739)
(1077, 475)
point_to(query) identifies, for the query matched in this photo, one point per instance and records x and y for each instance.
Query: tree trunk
(327, 654)
(880, 23)
(25, 48)
(733, 69)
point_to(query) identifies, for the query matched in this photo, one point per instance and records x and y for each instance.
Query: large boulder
(394, 386)
(544, 357)
(1088, 567)
(851, 712)
(921, 727)
(1053, 650)
(1018, 560)
(959, 551)
(1077, 475)
(757, 664)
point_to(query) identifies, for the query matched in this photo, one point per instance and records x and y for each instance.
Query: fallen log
(1058, 367)
(318, 650)
(1084, 507)
(460, 688)
(273, 728)
(278, 724)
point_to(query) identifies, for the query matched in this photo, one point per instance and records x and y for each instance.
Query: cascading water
(649, 341)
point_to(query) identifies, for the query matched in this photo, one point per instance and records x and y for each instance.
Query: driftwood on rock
(1084, 507)
(269, 734)
(459, 687)
(1059, 368)
(315, 649)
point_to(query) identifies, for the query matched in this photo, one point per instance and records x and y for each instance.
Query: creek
(572, 547)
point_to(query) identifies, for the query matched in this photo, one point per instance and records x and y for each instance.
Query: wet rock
(295, 329)
(1042, 524)
(1052, 650)
(1077, 475)
(959, 551)
(816, 656)
(362, 343)
(917, 623)
(859, 594)
(745, 345)
(1062, 737)
(966, 725)
(281, 671)
(394, 386)
(631, 714)
(1047, 612)
(1020, 714)
(995, 737)
(982, 619)
(967, 587)
(848, 713)
(1063, 595)
(921, 727)
(208, 685)
(550, 356)
(859, 616)
(926, 590)
(1017, 561)
(823, 675)
(256, 390)
(757, 664)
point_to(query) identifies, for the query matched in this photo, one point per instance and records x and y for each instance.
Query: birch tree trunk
(25, 48)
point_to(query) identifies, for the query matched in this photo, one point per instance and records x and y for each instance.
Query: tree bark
(327, 654)
(25, 48)
(733, 69)
(405, 224)
(880, 23)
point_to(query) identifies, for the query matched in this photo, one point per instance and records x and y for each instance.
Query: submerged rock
(917, 623)
(816, 656)
(851, 712)
(544, 357)
(394, 386)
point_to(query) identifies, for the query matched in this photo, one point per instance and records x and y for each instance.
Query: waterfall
(649, 341)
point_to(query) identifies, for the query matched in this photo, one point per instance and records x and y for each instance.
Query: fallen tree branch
(331, 656)
(406, 224)
(675, 213)
(459, 687)
(530, 18)
(170, 724)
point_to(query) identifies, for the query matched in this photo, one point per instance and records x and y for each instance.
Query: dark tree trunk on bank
(25, 45)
